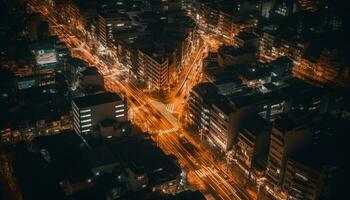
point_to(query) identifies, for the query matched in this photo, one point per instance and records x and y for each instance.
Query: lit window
(85, 116)
(86, 130)
(86, 125)
(87, 120)
(222, 116)
(119, 111)
(85, 111)
(301, 177)
(121, 115)
(119, 106)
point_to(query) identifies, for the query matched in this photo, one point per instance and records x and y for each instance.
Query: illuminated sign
(46, 58)
(25, 84)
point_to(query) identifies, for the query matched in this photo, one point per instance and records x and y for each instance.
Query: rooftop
(224, 104)
(325, 153)
(108, 122)
(226, 75)
(206, 90)
(246, 36)
(235, 51)
(249, 97)
(76, 62)
(152, 160)
(255, 124)
(46, 43)
(96, 99)
(99, 156)
(256, 73)
(89, 71)
(65, 151)
(293, 120)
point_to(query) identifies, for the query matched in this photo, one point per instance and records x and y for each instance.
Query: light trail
(142, 107)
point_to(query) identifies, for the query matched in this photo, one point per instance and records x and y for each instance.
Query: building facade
(199, 104)
(222, 123)
(89, 111)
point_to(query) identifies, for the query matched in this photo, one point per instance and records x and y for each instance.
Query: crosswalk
(170, 107)
(202, 172)
(168, 131)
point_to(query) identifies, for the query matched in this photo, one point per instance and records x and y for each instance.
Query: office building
(154, 69)
(232, 55)
(91, 81)
(72, 69)
(225, 80)
(215, 17)
(32, 26)
(311, 5)
(108, 23)
(287, 136)
(315, 171)
(266, 7)
(252, 145)
(199, 103)
(311, 174)
(247, 40)
(89, 111)
(222, 127)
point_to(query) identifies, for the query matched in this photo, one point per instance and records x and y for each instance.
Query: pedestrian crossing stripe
(170, 107)
(201, 173)
(168, 131)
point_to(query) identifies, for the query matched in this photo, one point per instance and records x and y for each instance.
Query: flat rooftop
(90, 71)
(255, 124)
(321, 154)
(206, 90)
(224, 104)
(246, 36)
(152, 160)
(96, 99)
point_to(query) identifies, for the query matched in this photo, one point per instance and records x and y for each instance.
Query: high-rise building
(200, 99)
(266, 7)
(214, 17)
(317, 170)
(154, 69)
(72, 69)
(287, 136)
(311, 174)
(311, 5)
(91, 81)
(252, 145)
(110, 22)
(89, 111)
(222, 123)
(32, 25)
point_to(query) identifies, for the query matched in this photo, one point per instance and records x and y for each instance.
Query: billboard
(46, 57)
(25, 84)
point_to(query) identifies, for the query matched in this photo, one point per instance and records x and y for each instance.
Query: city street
(153, 118)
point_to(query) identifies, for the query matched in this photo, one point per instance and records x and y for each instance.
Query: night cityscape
(174, 99)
